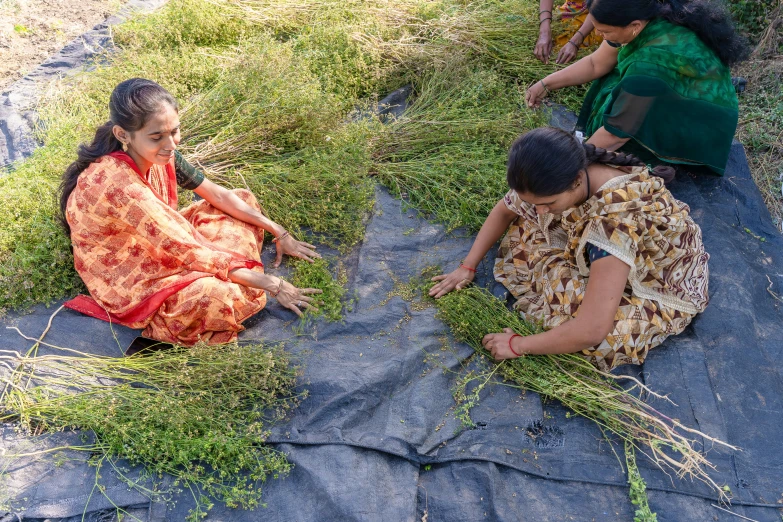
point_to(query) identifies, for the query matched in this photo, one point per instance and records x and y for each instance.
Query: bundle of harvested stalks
(446, 154)
(200, 414)
(474, 312)
(317, 275)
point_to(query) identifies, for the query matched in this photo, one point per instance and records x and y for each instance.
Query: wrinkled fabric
(670, 95)
(572, 15)
(148, 266)
(543, 262)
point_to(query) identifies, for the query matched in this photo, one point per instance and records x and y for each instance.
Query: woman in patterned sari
(661, 81)
(595, 248)
(577, 30)
(185, 276)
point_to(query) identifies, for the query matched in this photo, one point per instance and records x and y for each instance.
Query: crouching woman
(595, 248)
(186, 276)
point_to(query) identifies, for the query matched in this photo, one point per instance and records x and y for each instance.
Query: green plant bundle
(200, 414)
(446, 155)
(318, 275)
(474, 312)
(266, 87)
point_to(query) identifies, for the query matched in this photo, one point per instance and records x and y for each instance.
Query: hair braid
(620, 159)
(598, 155)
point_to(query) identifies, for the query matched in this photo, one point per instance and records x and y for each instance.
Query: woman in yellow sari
(185, 276)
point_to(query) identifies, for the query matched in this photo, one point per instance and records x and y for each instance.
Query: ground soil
(33, 30)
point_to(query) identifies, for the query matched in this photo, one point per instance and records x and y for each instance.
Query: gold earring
(124, 147)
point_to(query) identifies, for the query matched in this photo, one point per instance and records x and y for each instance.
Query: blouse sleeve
(188, 176)
(513, 203)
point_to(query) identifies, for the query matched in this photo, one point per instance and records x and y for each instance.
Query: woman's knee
(247, 196)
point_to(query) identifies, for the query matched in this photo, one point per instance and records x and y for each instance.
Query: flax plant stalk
(578, 385)
(200, 414)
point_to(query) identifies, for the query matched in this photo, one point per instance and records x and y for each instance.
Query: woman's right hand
(544, 44)
(296, 299)
(457, 280)
(535, 95)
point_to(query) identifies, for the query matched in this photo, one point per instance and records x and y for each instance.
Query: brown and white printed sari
(544, 264)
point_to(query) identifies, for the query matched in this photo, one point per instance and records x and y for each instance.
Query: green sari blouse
(671, 95)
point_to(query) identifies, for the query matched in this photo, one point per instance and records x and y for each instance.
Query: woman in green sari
(661, 81)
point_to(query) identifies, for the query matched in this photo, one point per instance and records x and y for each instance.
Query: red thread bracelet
(509, 345)
(468, 268)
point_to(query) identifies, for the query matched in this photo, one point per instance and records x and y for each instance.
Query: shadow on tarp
(377, 438)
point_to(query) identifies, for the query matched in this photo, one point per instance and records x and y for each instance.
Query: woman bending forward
(595, 248)
(661, 81)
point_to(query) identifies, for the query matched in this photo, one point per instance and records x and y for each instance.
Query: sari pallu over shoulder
(671, 95)
(637, 220)
(131, 247)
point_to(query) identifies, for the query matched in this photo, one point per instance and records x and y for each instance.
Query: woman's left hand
(567, 53)
(290, 246)
(498, 344)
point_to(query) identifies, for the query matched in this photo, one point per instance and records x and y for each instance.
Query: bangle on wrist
(572, 43)
(581, 34)
(279, 287)
(281, 237)
(511, 348)
(545, 87)
(544, 20)
(545, 11)
(462, 265)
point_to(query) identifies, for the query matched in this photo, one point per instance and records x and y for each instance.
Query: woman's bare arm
(594, 320)
(493, 228)
(606, 140)
(228, 202)
(591, 67)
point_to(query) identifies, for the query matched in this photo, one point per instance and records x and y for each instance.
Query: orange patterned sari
(148, 266)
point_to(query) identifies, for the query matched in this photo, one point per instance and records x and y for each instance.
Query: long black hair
(131, 105)
(709, 19)
(547, 161)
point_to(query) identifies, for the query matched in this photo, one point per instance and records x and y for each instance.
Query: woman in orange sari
(185, 276)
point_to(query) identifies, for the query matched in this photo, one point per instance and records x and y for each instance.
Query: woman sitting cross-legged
(595, 248)
(186, 276)
(662, 86)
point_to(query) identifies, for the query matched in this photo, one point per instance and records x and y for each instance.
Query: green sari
(671, 95)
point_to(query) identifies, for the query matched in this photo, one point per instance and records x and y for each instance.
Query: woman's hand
(535, 95)
(567, 53)
(544, 44)
(296, 299)
(456, 280)
(498, 344)
(290, 246)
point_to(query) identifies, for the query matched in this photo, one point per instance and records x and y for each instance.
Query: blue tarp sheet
(377, 438)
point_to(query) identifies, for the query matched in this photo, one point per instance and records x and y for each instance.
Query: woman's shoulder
(676, 46)
(108, 169)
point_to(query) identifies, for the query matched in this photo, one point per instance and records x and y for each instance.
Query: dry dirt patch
(33, 30)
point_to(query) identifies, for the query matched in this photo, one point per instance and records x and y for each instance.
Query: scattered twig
(733, 513)
(773, 294)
